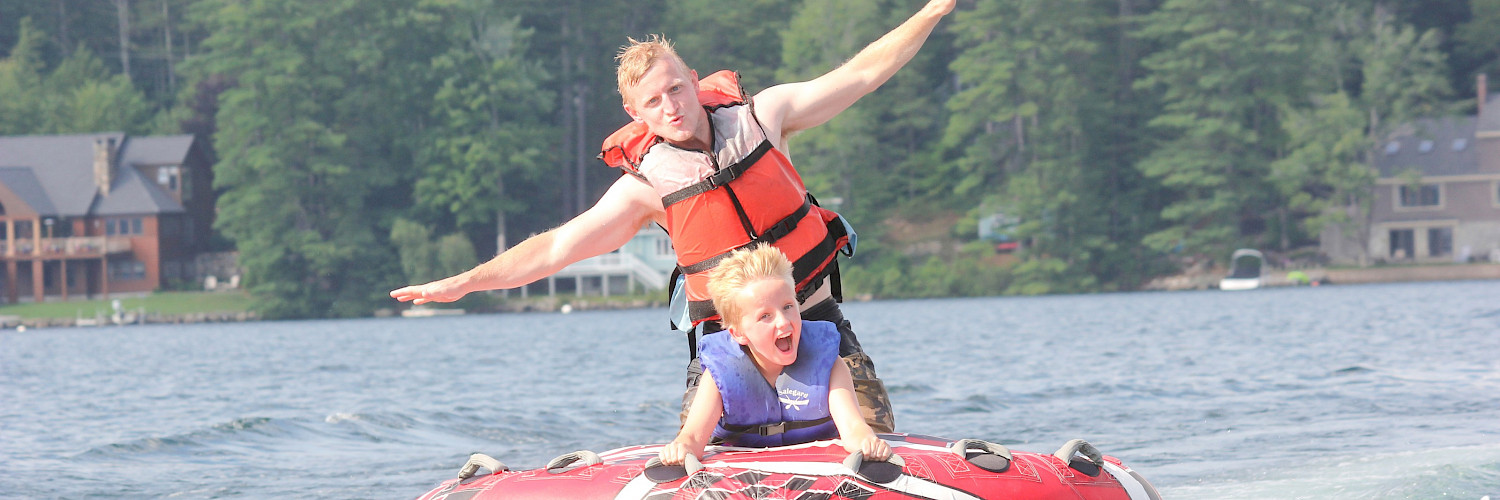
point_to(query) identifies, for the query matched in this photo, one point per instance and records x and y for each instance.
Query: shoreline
(1207, 280)
(16, 322)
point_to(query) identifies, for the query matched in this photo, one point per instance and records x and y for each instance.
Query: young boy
(770, 378)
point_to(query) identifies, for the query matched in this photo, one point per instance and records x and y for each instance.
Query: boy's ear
(743, 340)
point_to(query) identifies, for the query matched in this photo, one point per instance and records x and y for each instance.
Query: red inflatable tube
(923, 467)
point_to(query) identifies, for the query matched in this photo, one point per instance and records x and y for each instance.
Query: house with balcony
(1437, 197)
(90, 215)
(643, 263)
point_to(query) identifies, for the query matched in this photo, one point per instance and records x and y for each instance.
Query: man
(688, 159)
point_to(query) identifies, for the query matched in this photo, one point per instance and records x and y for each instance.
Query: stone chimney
(104, 163)
(1484, 93)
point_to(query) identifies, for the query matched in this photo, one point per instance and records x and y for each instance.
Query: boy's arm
(708, 406)
(609, 224)
(853, 431)
(790, 107)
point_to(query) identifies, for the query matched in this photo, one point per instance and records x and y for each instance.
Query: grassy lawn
(160, 303)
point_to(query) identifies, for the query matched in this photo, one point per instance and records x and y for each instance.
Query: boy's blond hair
(637, 57)
(741, 268)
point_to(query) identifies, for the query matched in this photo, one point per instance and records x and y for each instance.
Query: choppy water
(1384, 391)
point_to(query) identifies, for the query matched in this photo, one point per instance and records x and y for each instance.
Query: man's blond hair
(741, 268)
(636, 58)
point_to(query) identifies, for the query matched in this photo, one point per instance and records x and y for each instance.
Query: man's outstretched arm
(798, 106)
(608, 225)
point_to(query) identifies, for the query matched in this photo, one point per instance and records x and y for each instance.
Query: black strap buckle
(773, 429)
(725, 176)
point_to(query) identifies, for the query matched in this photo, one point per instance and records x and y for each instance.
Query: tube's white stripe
(1132, 487)
(636, 489)
(804, 468)
(927, 489)
(904, 483)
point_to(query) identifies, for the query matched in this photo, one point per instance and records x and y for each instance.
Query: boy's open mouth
(784, 344)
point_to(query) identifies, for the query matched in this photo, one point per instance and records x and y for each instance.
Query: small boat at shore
(1244, 270)
(425, 312)
(920, 467)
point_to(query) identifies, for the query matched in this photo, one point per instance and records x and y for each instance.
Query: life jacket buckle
(773, 429)
(778, 231)
(723, 177)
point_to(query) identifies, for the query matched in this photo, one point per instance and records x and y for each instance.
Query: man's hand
(791, 107)
(443, 290)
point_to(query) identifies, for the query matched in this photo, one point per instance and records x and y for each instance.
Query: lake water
(1376, 391)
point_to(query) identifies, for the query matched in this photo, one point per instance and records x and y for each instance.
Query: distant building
(1437, 198)
(94, 214)
(643, 263)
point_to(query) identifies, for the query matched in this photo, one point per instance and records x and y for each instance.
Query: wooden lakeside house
(1437, 196)
(89, 215)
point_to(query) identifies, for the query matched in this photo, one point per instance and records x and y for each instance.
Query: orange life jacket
(743, 193)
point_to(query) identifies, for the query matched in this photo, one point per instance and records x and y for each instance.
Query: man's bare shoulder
(632, 199)
(771, 107)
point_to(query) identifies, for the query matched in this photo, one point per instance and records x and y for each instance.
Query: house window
(1440, 241)
(123, 226)
(664, 247)
(1460, 144)
(1426, 195)
(168, 177)
(1403, 243)
(127, 270)
(1425, 146)
(1392, 147)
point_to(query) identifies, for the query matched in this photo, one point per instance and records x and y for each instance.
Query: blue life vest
(759, 415)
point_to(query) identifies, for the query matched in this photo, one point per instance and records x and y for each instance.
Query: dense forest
(365, 144)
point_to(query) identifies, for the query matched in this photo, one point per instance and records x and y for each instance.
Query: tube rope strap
(477, 461)
(587, 457)
(1092, 459)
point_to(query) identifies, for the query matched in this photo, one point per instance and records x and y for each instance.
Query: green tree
(414, 244)
(868, 161)
(822, 34)
(1478, 39)
(425, 259)
(744, 36)
(315, 140)
(21, 83)
(489, 123)
(79, 95)
(1326, 178)
(1019, 123)
(1399, 77)
(82, 96)
(1224, 71)
(454, 254)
